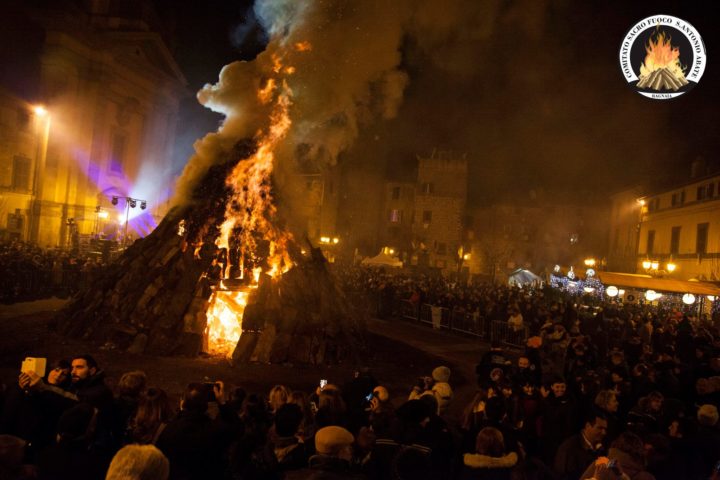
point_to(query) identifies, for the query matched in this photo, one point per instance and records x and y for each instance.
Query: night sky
(530, 90)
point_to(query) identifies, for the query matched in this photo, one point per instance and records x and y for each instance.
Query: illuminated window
(650, 242)
(396, 215)
(428, 188)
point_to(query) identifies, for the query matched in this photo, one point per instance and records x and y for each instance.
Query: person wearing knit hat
(334, 446)
(708, 415)
(334, 441)
(441, 374)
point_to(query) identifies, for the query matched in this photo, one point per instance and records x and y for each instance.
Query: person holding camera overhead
(193, 442)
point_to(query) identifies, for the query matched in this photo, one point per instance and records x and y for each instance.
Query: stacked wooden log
(662, 79)
(154, 299)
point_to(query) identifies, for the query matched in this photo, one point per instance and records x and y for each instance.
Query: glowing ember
(303, 46)
(224, 321)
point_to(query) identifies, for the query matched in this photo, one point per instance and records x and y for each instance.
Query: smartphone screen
(323, 382)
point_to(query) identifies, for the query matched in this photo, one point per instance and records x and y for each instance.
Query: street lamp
(41, 113)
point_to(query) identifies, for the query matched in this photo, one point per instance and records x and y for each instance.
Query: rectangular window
(428, 188)
(21, 174)
(15, 221)
(117, 155)
(427, 216)
(675, 240)
(701, 240)
(701, 193)
(710, 190)
(396, 193)
(675, 199)
(650, 242)
(441, 248)
(396, 215)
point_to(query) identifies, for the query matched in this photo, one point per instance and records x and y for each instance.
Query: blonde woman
(279, 396)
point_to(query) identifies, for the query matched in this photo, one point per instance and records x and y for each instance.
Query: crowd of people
(613, 392)
(28, 272)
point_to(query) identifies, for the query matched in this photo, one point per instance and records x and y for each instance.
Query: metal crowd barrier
(444, 318)
(505, 333)
(457, 320)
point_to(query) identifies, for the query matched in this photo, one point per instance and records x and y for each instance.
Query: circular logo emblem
(662, 57)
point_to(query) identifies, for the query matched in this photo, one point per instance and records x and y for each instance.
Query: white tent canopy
(522, 277)
(382, 260)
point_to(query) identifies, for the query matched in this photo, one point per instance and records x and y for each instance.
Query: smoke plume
(345, 58)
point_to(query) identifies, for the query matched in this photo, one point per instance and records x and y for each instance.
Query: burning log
(160, 295)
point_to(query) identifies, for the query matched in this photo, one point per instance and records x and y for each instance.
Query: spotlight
(143, 205)
(114, 200)
(133, 203)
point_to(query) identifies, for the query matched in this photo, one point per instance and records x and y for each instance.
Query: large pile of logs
(154, 299)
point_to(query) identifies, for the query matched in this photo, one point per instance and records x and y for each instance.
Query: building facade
(440, 201)
(110, 91)
(537, 236)
(682, 225)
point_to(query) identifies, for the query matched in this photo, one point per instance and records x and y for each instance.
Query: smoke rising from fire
(529, 89)
(345, 61)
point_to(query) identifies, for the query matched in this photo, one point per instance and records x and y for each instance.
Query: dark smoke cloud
(530, 89)
(348, 76)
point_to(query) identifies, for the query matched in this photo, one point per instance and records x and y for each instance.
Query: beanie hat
(708, 415)
(441, 374)
(329, 440)
(381, 393)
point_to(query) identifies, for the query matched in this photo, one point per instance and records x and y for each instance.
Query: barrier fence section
(460, 321)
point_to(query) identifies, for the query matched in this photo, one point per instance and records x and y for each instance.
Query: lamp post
(638, 228)
(43, 128)
(130, 202)
(652, 267)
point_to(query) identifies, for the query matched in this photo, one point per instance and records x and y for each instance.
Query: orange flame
(303, 46)
(265, 94)
(224, 321)
(250, 214)
(661, 54)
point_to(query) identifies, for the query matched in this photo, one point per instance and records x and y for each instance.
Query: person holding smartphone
(625, 460)
(27, 414)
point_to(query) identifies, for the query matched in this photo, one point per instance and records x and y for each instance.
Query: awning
(383, 260)
(646, 282)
